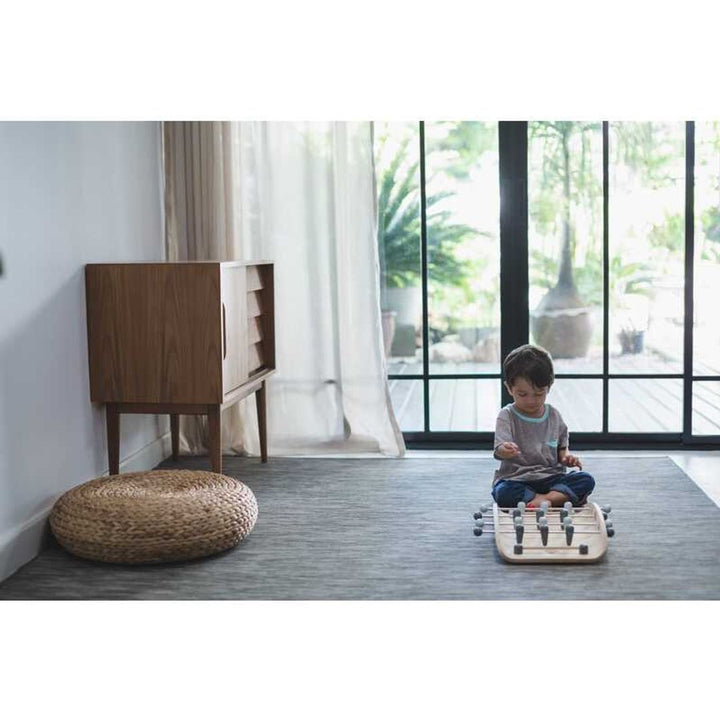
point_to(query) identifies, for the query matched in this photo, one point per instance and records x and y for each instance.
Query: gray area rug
(388, 529)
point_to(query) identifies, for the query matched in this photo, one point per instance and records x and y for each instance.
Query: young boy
(531, 439)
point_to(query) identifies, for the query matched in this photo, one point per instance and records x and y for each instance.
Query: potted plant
(399, 247)
(630, 290)
(562, 321)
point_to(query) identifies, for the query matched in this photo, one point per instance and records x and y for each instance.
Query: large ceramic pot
(406, 303)
(562, 323)
(388, 330)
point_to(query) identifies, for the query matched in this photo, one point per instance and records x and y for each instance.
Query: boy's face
(529, 400)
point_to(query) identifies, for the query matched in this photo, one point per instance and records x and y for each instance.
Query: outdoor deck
(635, 405)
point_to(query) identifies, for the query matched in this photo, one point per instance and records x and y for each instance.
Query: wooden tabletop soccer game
(547, 534)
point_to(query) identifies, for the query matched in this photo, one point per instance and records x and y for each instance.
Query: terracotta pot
(562, 323)
(388, 330)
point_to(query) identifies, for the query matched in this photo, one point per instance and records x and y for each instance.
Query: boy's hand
(508, 450)
(571, 461)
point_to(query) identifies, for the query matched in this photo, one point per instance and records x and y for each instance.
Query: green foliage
(464, 143)
(670, 235)
(625, 277)
(564, 185)
(710, 219)
(636, 145)
(565, 167)
(399, 228)
(568, 181)
(543, 269)
(470, 303)
(711, 223)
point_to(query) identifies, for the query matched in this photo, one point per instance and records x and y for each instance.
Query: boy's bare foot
(555, 498)
(535, 502)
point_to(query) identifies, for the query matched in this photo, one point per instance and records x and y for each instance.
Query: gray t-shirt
(538, 440)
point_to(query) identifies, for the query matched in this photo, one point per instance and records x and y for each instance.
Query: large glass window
(646, 406)
(597, 276)
(706, 348)
(408, 399)
(461, 405)
(397, 163)
(647, 247)
(580, 402)
(463, 239)
(706, 408)
(565, 242)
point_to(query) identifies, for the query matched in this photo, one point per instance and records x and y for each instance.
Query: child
(531, 439)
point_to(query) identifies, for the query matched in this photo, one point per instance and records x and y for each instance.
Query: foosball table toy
(546, 534)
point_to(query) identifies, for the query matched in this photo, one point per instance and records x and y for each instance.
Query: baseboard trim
(20, 545)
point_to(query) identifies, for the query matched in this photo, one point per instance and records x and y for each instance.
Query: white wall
(70, 194)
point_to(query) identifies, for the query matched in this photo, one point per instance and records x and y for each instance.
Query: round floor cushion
(155, 516)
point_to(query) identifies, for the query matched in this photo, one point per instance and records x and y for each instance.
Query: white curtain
(300, 195)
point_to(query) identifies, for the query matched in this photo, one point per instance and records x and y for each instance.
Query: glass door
(441, 177)
(597, 240)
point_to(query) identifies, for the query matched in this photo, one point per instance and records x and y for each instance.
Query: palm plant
(561, 322)
(399, 229)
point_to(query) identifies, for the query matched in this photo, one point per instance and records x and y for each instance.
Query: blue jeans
(576, 485)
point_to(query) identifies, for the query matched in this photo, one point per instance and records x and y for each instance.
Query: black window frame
(514, 292)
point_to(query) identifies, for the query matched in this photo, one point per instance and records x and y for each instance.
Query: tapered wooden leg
(260, 400)
(112, 418)
(175, 435)
(214, 438)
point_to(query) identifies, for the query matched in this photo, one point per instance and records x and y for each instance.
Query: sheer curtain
(300, 195)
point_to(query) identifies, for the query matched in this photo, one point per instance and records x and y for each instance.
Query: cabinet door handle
(224, 333)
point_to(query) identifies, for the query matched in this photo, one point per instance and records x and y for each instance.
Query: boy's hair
(530, 362)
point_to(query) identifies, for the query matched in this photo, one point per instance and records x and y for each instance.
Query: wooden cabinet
(179, 338)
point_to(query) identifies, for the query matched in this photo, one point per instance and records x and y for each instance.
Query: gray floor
(701, 466)
(339, 528)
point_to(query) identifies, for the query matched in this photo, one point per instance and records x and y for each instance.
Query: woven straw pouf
(155, 516)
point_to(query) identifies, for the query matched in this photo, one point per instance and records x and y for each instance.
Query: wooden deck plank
(620, 417)
(652, 405)
(442, 398)
(580, 404)
(643, 363)
(559, 398)
(590, 402)
(702, 368)
(416, 412)
(487, 402)
(464, 414)
(626, 399)
(643, 411)
(399, 394)
(706, 408)
(406, 397)
(664, 398)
